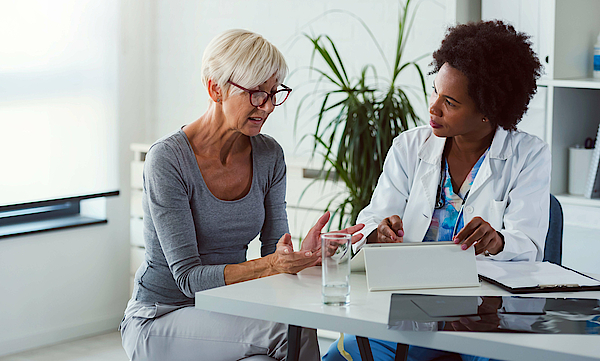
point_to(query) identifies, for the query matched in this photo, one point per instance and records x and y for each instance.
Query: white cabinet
(581, 237)
(566, 109)
(136, 214)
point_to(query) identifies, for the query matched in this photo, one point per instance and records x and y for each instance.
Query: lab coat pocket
(497, 214)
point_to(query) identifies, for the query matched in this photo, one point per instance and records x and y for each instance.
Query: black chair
(552, 253)
(553, 246)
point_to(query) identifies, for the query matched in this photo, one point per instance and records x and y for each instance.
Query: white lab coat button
(469, 209)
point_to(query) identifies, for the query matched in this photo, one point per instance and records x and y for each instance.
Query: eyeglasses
(258, 98)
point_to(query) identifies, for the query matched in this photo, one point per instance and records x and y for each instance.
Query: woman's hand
(312, 241)
(285, 260)
(481, 234)
(390, 230)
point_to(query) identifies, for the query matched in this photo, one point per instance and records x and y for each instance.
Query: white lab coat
(511, 190)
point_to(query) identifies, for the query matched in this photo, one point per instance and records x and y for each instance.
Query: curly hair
(500, 66)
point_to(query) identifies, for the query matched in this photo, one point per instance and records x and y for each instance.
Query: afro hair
(500, 66)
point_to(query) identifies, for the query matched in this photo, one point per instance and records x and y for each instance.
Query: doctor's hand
(390, 230)
(482, 235)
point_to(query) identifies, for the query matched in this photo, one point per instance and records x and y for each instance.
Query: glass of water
(335, 248)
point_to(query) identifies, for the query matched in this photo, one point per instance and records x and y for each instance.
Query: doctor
(470, 176)
(470, 166)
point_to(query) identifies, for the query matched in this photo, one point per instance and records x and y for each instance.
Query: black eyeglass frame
(285, 89)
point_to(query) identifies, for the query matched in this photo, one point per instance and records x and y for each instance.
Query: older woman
(470, 176)
(209, 189)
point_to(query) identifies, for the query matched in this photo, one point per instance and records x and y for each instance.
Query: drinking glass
(335, 248)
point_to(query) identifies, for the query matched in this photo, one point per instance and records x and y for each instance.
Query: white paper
(532, 274)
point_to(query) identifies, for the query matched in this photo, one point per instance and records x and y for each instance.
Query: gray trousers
(182, 333)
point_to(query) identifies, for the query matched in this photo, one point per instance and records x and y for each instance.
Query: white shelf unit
(566, 109)
(563, 34)
(585, 83)
(136, 214)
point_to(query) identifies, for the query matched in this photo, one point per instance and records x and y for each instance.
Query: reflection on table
(419, 312)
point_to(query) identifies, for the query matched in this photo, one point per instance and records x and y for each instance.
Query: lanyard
(460, 213)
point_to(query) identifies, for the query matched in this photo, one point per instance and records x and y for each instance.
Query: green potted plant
(358, 119)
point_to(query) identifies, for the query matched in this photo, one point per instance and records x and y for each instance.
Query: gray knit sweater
(191, 235)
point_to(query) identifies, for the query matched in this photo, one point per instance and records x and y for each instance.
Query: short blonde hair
(243, 57)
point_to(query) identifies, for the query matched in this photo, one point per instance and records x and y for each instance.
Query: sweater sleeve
(168, 204)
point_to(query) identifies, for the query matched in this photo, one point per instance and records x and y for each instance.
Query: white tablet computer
(397, 266)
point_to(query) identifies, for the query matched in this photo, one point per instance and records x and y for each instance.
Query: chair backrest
(553, 247)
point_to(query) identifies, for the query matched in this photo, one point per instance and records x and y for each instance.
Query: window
(58, 99)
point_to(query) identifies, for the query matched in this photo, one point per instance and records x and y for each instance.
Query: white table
(296, 300)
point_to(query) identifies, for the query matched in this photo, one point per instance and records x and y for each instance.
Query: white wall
(63, 284)
(184, 28)
(72, 283)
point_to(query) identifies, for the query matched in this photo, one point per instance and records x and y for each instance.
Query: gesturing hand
(312, 241)
(481, 234)
(390, 230)
(285, 260)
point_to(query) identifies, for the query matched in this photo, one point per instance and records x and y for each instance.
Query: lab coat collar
(432, 149)
(501, 147)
